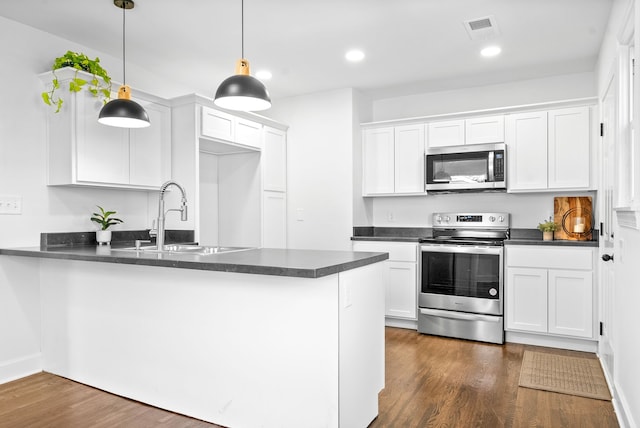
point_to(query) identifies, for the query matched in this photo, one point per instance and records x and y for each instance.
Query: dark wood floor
(430, 382)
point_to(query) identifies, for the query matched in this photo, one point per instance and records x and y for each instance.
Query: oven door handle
(464, 249)
(459, 315)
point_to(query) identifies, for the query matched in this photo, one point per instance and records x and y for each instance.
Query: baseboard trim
(401, 323)
(552, 341)
(20, 367)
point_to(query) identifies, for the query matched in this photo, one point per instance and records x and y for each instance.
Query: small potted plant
(79, 62)
(547, 228)
(104, 219)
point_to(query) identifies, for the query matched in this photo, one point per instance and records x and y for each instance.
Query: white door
(571, 303)
(409, 159)
(526, 305)
(526, 139)
(607, 188)
(378, 163)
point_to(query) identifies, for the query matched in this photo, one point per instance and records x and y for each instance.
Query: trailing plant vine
(78, 61)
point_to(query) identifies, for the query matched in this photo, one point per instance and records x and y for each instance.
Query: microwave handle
(491, 169)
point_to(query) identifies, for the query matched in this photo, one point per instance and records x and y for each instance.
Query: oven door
(463, 278)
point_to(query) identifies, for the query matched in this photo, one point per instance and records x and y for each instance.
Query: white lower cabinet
(400, 276)
(550, 290)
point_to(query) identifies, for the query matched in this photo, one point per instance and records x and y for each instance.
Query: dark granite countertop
(261, 261)
(415, 234)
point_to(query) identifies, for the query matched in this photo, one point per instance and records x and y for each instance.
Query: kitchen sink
(184, 249)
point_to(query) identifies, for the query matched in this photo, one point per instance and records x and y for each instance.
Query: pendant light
(124, 112)
(242, 91)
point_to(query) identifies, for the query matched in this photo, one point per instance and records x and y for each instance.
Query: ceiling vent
(482, 28)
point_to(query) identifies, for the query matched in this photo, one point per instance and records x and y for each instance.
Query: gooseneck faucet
(162, 213)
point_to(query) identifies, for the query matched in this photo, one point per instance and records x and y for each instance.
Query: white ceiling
(410, 45)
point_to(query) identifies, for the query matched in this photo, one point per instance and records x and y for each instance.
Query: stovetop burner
(469, 228)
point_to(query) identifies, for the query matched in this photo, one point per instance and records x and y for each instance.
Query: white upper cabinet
(274, 160)
(378, 154)
(549, 150)
(526, 137)
(83, 152)
(393, 160)
(409, 159)
(446, 133)
(569, 148)
(219, 125)
(484, 129)
(474, 130)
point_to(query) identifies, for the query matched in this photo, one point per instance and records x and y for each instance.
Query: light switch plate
(10, 204)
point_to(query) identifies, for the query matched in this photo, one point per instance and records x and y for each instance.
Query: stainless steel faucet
(162, 213)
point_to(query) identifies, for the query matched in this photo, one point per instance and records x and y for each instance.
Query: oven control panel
(480, 220)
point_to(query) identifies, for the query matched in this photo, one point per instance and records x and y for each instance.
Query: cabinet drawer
(550, 257)
(398, 252)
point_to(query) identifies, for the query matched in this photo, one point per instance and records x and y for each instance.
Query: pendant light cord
(242, 24)
(124, 58)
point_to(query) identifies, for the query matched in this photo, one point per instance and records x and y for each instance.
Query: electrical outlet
(390, 216)
(10, 205)
(300, 214)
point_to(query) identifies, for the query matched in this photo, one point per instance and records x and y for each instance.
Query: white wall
(26, 53)
(626, 318)
(319, 168)
(564, 87)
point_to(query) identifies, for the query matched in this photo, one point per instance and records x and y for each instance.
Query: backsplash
(526, 209)
(48, 240)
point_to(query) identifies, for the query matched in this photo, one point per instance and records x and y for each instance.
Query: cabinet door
(102, 152)
(378, 161)
(569, 148)
(447, 133)
(571, 303)
(526, 139)
(217, 124)
(274, 160)
(274, 220)
(248, 133)
(487, 129)
(400, 290)
(409, 159)
(526, 304)
(150, 148)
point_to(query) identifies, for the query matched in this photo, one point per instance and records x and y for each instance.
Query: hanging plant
(79, 61)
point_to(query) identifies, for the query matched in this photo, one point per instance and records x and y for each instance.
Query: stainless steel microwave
(471, 168)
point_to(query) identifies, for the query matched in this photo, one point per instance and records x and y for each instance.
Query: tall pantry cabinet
(236, 165)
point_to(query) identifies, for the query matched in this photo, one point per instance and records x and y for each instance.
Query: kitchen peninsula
(260, 337)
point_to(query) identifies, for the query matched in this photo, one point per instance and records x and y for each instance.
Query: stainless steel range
(462, 276)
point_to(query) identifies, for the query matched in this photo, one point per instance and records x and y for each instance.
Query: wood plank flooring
(430, 382)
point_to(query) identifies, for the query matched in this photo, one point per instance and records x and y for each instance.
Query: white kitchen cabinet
(484, 129)
(446, 133)
(473, 130)
(83, 152)
(549, 150)
(569, 148)
(220, 125)
(400, 276)
(274, 187)
(393, 160)
(274, 219)
(378, 161)
(274, 160)
(549, 290)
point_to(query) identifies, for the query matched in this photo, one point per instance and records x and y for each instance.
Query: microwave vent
(482, 28)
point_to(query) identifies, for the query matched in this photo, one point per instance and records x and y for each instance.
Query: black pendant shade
(123, 112)
(242, 91)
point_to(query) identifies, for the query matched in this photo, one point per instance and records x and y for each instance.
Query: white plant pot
(547, 236)
(103, 237)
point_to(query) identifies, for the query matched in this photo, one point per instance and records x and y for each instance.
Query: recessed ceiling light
(264, 75)
(490, 51)
(354, 55)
